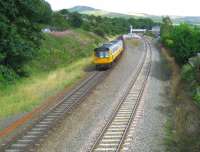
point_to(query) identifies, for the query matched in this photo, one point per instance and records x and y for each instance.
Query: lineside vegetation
(35, 64)
(62, 61)
(182, 128)
(184, 43)
(21, 24)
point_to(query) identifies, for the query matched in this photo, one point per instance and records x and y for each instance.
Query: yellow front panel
(102, 60)
(109, 59)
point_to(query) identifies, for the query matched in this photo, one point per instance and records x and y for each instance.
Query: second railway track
(113, 136)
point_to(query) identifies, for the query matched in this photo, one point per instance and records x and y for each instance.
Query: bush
(7, 75)
(197, 95)
(169, 43)
(183, 40)
(99, 31)
(75, 20)
(188, 73)
(20, 33)
(59, 22)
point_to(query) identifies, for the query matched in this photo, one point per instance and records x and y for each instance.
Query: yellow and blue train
(105, 55)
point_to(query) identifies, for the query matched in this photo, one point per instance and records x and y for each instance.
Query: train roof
(106, 46)
(102, 48)
(114, 41)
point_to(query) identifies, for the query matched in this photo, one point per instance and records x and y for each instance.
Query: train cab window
(102, 54)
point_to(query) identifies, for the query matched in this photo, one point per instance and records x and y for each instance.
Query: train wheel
(97, 67)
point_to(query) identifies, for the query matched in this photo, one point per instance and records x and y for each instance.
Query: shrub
(59, 22)
(197, 95)
(99, 31)
(188, 73)
(169, 43)
(183, 40)
(7, 75)
(20, 33)
(75, 20)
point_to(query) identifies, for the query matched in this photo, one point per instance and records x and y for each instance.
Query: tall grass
(182, 128)
(61, 63)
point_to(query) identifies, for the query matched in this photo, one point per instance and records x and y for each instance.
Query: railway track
(38, 131)
(114, 136)
(33, 135)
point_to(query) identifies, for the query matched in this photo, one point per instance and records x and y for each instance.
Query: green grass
(60, 63)
(61, 51)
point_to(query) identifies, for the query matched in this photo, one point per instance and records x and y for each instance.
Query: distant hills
(98, 12)
(82, 9)
(188, 19)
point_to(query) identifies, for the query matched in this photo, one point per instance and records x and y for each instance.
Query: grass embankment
(182, 128)
(61, 62)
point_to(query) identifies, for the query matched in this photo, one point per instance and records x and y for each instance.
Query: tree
(165, 29)
(64, 12)
(59, 21)
(99, 31)
(185, 42)
(20, 32)
(75, 20)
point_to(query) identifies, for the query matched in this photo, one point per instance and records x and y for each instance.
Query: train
(106, 54)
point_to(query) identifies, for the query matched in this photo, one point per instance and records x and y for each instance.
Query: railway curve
(35, 133)
(114, 134)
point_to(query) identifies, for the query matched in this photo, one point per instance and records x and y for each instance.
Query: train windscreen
(102, 54)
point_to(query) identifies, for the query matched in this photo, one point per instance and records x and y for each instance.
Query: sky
(153, 7)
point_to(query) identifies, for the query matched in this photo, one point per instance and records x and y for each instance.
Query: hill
(187, 19)
(98, 12)
(82, 9)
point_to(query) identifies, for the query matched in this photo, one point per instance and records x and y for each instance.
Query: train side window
(115, 49)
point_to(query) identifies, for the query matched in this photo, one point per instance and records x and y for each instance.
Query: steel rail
(137, 103)
(37, 131)
(100, 144)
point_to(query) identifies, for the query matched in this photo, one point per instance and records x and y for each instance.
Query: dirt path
(80, 128)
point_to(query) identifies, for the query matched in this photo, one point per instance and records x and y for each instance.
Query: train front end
(102, 57)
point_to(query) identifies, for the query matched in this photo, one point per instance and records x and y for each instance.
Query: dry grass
(31, 92)
(63, 33)
(175, 77)
(60, 62)
(182, 128)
